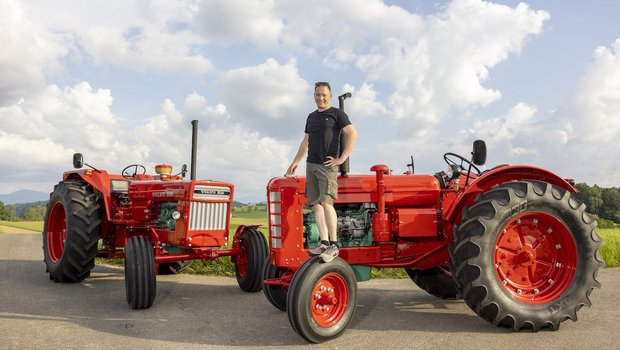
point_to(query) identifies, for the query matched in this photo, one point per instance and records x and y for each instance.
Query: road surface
(202, 312)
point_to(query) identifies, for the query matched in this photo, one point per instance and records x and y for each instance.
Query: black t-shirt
(324, 129)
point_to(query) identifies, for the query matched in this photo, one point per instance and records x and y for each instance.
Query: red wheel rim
(56, 232)
(330, 297)
(535, 258)
(242, 261)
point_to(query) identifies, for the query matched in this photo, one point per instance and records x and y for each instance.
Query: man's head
(322, 95)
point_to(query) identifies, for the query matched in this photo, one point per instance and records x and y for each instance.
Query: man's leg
(331, 221)
(321, 224)
(319, 219)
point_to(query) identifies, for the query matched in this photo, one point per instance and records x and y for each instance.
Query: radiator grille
(208, 216)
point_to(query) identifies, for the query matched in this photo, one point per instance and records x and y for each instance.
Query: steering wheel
(460, 162)
(136, 168)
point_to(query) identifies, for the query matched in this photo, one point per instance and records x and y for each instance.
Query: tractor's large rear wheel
(321, 299)
(249, 263)
(71, 231)
(275, 294)
(435, 281)
(526, 255)
(140, 279)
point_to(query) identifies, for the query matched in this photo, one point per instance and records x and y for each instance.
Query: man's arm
(301, 152)
(350, 139)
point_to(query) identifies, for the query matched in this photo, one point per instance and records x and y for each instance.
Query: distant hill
(24, 196)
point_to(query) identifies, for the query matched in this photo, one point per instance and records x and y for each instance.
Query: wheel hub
(535, 257)
(329, 300)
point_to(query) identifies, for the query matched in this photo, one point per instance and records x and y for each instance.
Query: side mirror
(479, 154)
(184, 170)
(78, 160)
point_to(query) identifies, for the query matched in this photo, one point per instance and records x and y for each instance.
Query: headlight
(176, 215)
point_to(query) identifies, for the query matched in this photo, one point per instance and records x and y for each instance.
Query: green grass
(36, 226)
(611, 246)
(224, 266)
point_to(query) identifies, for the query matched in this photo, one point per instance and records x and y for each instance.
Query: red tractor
(158, 223)
(513, 241)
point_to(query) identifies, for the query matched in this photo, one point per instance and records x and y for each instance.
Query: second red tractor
(513, 241)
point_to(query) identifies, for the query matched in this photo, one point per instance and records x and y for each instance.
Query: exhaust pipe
(344, 167)
(194, 146)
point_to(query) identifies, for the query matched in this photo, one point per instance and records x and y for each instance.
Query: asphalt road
(198, 312)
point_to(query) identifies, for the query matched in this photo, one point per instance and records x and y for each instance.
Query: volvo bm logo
(211, 192)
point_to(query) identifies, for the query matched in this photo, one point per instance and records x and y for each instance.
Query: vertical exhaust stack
(194, 147)
(344, 167)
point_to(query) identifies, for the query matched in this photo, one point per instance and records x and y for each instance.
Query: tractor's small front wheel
(321, 299)
(249, 262)
(140, 280)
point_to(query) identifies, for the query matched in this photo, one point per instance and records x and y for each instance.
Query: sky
(121, 81)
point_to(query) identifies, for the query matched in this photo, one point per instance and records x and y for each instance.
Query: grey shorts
(321, 183)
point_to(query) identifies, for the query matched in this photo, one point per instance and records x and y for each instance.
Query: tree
(591, 197)
(7, 212)
(611, 204)
(36, 213)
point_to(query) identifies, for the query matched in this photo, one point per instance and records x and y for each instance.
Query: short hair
(322, 83)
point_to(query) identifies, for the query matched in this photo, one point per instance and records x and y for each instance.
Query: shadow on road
(207, 310)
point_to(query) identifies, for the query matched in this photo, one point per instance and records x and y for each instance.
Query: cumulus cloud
(434, 65)
(232, 21)
(227, 150)
(578, 140)
(145, 48)
(39, 135)
(444, 69)
(29, 52)
(270, 97)
(142, 36)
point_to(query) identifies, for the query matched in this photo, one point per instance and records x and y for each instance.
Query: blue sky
(120, 81)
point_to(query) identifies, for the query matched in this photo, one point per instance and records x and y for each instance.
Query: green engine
(354, 222)
(165, 219)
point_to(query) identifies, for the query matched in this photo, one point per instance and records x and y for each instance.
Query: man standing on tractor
(322, 143)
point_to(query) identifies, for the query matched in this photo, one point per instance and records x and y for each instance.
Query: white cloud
(145, 48)
(434, 65)
(444, 68)
(29, 52)
(39, 135)
(364, 102)
(143, 36)
(269, 97)
(579, 140)
(232, 21)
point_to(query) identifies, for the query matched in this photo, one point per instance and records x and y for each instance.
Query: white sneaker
(330, 253)
(318, 250)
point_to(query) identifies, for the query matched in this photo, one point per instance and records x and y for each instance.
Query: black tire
(534, 230)
(436, 281)
(275, 294)
(324, 318)
(71, 231)
(174, 267)
(140, 279)
(249, 263)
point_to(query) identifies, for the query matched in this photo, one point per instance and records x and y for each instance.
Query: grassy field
(36, 226)
(224, 267)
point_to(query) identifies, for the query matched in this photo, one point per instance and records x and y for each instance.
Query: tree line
(602, 202)
(23, 211)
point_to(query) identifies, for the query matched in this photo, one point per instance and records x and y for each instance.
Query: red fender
(498, 175)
